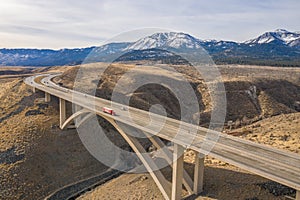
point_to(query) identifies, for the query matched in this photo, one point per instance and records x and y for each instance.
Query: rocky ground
(252, 92)
(260, 119)
(221, 180)
(36, 158)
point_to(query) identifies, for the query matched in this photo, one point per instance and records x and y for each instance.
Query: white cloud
(74, 23)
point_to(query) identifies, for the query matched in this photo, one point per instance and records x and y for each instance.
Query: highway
(274, 164)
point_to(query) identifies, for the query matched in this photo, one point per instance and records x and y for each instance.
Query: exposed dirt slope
(252, 92)
(36, 157)
(221, 180)
(282, 131)
(275, 92)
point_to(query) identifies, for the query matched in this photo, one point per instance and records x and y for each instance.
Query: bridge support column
(47, 97)
(148, 162)
(298, 195)
(198, 173)
(62, 112)
(177, 172)
(76, 109)
(156, 141)
(33, 89)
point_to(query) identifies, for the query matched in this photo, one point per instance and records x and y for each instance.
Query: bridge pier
(74, 117)
(198, 173)
(62, 112)
(177, 175)
(180, 177)
(156, 141)
(148, 162)
(298, 195)
(33, 90)
(47, 97)
(76, 109)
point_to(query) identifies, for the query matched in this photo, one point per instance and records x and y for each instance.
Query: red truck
(108, 110)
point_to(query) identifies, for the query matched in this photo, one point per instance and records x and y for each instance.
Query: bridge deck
(277, 165)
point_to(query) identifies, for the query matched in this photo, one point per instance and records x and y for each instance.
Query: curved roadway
(271, 163)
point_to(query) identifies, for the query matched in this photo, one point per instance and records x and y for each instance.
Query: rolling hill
(278, 48)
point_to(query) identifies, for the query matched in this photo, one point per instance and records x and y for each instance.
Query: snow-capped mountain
(279, 36)
(272, 48)
(166, 40)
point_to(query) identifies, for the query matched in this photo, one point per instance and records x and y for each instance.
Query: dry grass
(55, 158)
(277, 89)
(36, 158)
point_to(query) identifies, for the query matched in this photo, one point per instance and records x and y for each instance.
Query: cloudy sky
(80, 23)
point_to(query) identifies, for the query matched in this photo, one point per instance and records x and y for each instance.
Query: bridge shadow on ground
(221, 181)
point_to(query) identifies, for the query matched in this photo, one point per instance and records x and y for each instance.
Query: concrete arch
(74, 116)
(85, 118)
(168, 190)
(239, 152)
(158, 177)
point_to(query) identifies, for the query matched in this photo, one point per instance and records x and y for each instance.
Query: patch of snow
(166, 40)
(286, 37)
(265, 40)
(290, 37)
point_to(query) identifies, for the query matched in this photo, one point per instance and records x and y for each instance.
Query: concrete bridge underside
(173, 190)
(180, 177)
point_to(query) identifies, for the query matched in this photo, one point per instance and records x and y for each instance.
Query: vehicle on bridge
(108, 110)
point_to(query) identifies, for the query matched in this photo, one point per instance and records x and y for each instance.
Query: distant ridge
(279, 36)
(277, 48)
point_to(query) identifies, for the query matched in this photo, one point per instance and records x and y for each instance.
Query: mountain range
(278, 48)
